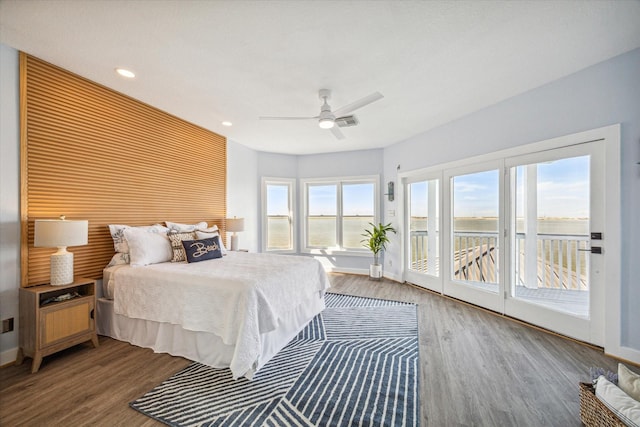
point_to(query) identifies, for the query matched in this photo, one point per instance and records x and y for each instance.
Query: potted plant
(376, 240)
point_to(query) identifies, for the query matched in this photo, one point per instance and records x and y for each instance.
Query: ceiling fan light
(326, 123)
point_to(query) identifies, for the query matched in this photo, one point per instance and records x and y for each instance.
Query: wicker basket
(594, 413)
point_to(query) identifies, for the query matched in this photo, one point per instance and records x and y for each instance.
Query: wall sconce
(389, 192)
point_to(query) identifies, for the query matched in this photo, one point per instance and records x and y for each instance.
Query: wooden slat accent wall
(89, 152)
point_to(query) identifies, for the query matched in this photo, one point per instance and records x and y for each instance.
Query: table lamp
(235, 224)
(60, 233)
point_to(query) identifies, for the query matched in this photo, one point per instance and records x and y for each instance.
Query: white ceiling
(209, 61)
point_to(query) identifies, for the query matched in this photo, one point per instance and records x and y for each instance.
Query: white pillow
(185, 228)
(625, 407)
(147, 248)
(117, 234)
(629, 381)
(212, 232)
(119, 259)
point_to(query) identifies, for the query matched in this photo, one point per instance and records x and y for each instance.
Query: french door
(520, 235)
(555, 242)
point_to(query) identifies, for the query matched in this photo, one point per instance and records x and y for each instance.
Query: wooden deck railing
(561, 262)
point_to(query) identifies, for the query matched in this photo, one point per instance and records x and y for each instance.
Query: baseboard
(365, 272)
(8, 357)
(625, 354)
(394, 277)
(361, 271)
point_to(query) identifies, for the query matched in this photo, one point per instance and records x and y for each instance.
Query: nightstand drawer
(63, 320)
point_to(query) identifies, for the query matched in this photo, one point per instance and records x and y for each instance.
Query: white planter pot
(375, 271)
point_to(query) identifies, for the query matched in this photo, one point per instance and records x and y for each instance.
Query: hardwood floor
(476, 369)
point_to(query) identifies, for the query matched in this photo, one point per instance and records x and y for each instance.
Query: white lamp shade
(235, 224)
(50, 233)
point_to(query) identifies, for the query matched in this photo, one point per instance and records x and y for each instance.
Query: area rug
(356, 363)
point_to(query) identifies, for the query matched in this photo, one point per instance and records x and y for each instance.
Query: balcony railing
(561, 260)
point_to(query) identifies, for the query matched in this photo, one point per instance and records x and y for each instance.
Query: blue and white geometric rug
(356, 363)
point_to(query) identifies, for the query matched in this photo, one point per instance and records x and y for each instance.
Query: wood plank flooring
(476, 369)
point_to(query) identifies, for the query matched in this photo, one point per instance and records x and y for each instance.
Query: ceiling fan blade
(358, 104)
(335, 130)
(287, 118)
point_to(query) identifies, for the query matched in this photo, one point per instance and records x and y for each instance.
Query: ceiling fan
(332, 120)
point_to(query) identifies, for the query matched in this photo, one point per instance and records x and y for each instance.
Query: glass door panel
(475, 238)
(423, 209)
(550, 235)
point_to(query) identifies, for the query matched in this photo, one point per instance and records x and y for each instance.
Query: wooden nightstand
(48, 326)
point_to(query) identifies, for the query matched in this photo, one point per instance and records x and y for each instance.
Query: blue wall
(601, 95)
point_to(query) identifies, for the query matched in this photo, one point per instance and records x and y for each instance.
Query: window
(337, 211)
(322, 224)
(278, 222)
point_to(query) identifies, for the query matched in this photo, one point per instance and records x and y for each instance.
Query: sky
(562, 185)
(563, 191)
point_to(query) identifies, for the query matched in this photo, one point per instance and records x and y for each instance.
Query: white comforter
(237, 297)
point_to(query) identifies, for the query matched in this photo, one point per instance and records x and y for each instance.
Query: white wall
(242, 193)
(600, 95)
(277, 165)
(348, 163)
(9, 199)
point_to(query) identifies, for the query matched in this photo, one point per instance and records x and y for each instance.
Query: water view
(322, 232)
(578, 226)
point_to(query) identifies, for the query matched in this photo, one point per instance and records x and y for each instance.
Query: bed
(237, 311)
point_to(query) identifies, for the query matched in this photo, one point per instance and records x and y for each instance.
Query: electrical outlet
(7, 325)
(390, 263)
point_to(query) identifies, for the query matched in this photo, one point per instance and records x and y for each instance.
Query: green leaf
(376, 237)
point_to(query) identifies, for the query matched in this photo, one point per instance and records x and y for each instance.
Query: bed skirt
(203, 347)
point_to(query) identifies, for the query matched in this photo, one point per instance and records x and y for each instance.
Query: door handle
(593, 250)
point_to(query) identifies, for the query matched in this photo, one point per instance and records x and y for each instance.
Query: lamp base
(61, 267)
(234, 242)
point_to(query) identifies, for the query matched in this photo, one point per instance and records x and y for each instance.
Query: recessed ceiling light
(225, 123)
(125, 73)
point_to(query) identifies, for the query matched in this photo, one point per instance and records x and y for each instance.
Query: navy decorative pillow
(201, 250)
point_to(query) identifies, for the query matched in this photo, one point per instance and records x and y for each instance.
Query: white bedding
(239, 297)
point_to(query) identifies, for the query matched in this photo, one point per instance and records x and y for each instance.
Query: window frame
(291, 184)
(338, 182)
